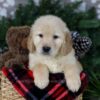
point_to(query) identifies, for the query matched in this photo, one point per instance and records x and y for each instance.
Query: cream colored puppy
(51, 50)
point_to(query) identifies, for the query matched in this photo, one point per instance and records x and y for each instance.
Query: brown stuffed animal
(16, 39)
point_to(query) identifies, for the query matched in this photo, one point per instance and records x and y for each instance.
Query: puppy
(50, 50)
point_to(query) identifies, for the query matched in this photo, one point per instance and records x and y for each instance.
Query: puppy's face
(49, 38)
(48, 42)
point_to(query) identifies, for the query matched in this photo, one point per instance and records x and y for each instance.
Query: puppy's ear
(67, 44)
(30, 44)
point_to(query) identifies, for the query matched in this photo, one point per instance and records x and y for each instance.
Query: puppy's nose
(46, 49)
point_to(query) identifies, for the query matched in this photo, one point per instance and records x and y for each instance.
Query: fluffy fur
(50, 31)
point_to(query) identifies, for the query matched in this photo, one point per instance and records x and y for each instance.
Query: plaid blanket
(22, 81)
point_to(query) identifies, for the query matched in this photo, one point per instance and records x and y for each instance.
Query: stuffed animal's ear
(30, 44)
(67, 44)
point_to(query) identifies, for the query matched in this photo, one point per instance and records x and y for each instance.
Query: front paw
(40, 83)
(41, 76)
(73, 83)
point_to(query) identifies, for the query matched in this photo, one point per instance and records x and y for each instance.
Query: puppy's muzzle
(46, 49)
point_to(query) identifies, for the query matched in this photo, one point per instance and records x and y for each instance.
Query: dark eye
(55, 37)
(40, 35)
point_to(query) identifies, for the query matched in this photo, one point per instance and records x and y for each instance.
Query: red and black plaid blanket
(22, 81)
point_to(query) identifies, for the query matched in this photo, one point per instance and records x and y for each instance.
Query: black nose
(46, 49)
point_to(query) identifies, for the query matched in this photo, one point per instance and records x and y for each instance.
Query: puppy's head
(49, 36)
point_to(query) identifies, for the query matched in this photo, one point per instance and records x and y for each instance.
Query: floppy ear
(67, 44)
(30, 44)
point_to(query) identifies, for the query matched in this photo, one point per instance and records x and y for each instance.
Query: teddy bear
(16, 39)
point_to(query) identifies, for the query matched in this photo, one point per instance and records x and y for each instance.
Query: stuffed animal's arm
(5, 57)
(18, 60)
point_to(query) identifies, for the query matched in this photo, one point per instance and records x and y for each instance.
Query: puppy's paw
(73, 83)
(41, 76)
(40, 83)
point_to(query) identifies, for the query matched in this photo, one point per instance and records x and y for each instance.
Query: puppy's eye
(40, 35)
(55, 36)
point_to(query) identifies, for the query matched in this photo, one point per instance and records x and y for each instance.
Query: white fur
(41, 64)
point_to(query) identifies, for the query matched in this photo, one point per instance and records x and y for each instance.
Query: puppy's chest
(54, 65)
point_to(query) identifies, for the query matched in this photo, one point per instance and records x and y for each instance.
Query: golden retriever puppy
(50, 50)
